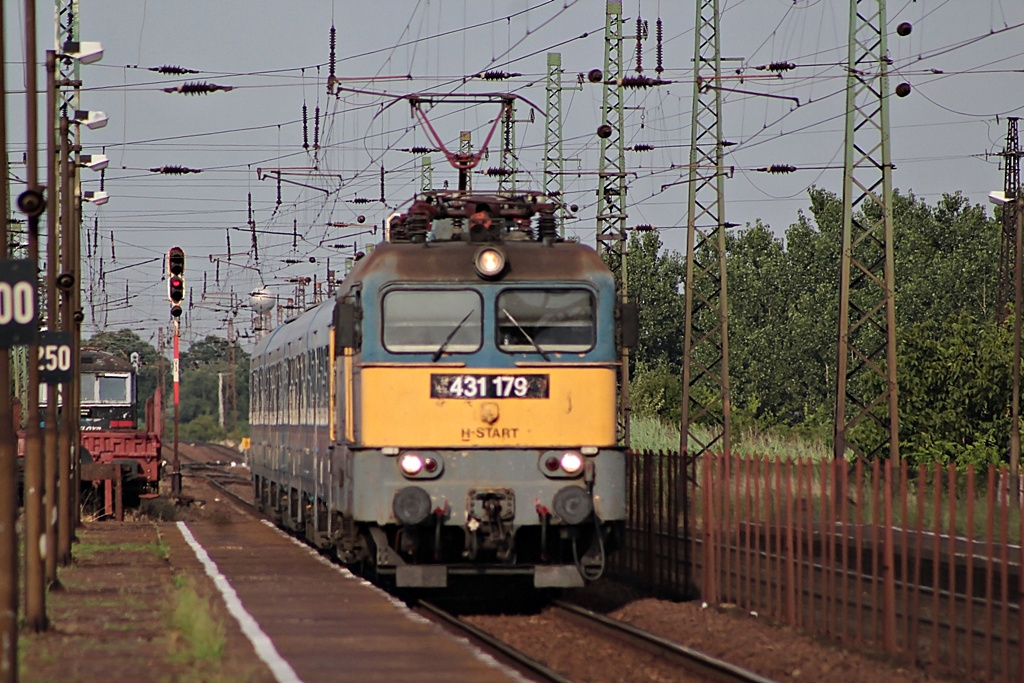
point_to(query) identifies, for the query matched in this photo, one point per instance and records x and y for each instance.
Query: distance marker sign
(56, 355)
(17, 302)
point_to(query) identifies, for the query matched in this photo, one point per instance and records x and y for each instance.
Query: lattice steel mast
(611, 213)
(1007, 242)
(554, 160)
(867, 419)
(705, 385)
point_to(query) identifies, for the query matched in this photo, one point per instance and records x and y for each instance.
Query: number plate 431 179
(488, 386)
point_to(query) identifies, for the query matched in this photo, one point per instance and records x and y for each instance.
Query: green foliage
(199, 408)
(203, 427)
(655, 392)
(783, 319)
(955, 388)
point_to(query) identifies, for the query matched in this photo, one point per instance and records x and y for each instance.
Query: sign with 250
(56, 357)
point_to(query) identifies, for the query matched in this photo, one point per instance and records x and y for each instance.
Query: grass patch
(648, 433)
(201, 634)
(85, 550)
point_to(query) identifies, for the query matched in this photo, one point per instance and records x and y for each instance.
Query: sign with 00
(17, 302)
(56, 357)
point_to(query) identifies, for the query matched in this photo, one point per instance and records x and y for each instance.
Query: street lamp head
(97, 197)
(998, 198)
(95, 162)
(91, 119)
(85, 52)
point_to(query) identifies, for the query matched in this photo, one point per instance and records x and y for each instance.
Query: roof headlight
(411, 463)
(489, 262)
(572, 462)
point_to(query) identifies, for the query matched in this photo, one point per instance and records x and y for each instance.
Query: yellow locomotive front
(474, 421)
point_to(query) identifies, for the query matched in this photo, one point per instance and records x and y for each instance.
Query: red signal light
(175, 289)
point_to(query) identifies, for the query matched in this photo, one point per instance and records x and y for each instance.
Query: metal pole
(35, 587)
(8, 440)
(1018, 301)
(175, 372)
(66, 509)
(52, 254)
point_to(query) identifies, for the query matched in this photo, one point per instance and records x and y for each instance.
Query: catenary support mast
(866, 417)
(705, 384)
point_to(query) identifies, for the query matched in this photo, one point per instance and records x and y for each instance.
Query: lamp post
(60, 504)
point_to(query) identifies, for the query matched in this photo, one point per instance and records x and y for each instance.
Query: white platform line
(261, 642)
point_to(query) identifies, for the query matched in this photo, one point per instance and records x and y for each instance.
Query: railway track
(695, 665)
(691, 663)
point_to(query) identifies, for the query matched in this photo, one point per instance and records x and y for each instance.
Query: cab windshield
(426, 320)
(541, 320)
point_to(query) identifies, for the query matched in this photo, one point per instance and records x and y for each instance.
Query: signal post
(176, 295)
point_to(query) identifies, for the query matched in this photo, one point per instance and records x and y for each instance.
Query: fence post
(710, 589)
(888, 576)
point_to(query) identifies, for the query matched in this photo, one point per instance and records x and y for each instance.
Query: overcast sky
(964, 60)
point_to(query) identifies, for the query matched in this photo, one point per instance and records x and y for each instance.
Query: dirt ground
(114, 620)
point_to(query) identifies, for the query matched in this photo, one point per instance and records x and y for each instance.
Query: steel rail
(694, 661)
(489, 642)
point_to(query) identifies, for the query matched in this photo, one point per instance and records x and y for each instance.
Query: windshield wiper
(526, 334)
(451, 335)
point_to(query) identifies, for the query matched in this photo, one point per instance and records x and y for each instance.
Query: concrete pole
(35, 534)
(52, 256)
(8, 440)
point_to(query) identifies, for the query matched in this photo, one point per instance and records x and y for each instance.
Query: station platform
(311, 620)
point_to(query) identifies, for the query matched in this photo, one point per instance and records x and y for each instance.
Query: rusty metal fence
(922, 562)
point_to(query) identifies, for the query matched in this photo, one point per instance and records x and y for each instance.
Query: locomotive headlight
(571, 462)
(489, 262)
(411, 464)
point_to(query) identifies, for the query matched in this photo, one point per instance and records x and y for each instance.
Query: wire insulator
(278, 189)
(382, 184)
(305, 128)
(330, 73)
(295, 234)
(640, 82)
(497, 75)
(172, 70)
(644, 227)
(316, 127)
(495, 171)
(639, 45)
(658, 32)
(777, 67)
(777, 169)
(227, 233)
(362, 200)
(175, 170)
(198, 88)
(641, 148)
(419, 150)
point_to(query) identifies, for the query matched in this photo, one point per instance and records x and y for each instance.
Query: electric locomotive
(453, 411)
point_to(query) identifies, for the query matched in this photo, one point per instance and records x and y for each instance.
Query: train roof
(95, 360)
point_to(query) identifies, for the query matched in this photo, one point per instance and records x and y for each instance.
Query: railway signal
(176, 280)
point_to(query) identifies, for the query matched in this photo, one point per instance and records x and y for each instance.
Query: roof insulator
(172, 70)
(198, 88)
